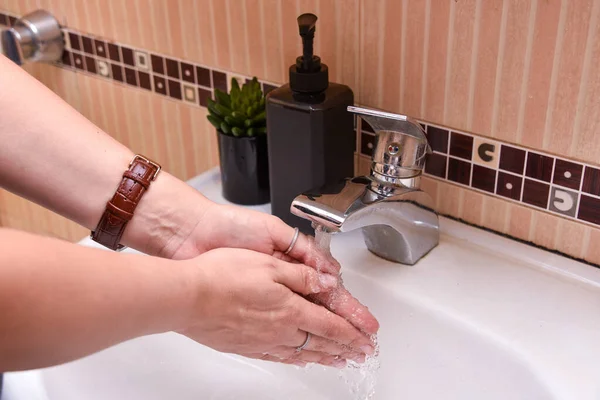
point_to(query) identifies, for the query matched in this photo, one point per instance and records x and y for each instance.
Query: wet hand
(252, 304)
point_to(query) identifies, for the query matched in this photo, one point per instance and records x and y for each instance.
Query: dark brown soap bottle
(310, 134)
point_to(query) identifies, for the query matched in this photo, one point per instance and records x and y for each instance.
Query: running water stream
(360, 378)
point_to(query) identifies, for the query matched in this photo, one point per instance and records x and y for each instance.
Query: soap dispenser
(310, 134)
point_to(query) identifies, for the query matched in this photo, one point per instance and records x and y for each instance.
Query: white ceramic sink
(481, 317)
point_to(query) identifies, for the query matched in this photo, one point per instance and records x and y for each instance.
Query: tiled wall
(507, 90)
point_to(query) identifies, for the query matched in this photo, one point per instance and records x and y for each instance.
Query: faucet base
(387, 243)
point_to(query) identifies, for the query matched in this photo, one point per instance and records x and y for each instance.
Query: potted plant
(240, 119)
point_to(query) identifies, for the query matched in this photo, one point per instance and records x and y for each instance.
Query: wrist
(165, 217)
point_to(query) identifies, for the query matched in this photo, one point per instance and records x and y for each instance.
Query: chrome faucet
(396, 217)
(34, 37)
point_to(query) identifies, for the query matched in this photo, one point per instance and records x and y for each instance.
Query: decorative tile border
(532, 178)
(170, 77)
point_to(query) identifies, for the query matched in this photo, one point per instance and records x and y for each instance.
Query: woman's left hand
(236, 227)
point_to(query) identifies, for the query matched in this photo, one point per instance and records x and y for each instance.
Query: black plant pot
(244, 169)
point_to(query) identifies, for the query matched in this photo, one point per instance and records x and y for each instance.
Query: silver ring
(308, 336)
(296, 234)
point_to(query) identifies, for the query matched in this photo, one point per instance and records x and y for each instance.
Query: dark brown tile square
(536, 193)
(459, 171)
(75, 40)
(160, 85)
(589, 209)
(436, 165)
(461, 145)
(367, 143)
(567, 174)
(117, 72)
(539, 166)
(438, 139)
(66, 58)
(268, 88)
(90, 64)
(219, 80)
(100, 48)
(130, 76)
(158, 64)
(591, 181)
(172, 68)
(365, 126)
(11, 20)
(187, 73)
(78, 61)
(512, 159)
(3, 19)
(483, 178)
(204, 95)
(423, 126)
(127, 54)
(203, 77)
(87, 44)
(175, 89)
(509, 186)
(113, 52)
(144, 79)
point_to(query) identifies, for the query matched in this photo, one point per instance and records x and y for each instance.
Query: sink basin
(480, 317)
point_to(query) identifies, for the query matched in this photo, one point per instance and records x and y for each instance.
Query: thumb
(302, 279)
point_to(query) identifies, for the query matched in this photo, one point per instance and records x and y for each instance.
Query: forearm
(60, 301)
(54, 156)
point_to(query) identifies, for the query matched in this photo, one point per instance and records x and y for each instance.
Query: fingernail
(300, 363)
(339, 363)
(358, 358)
(368, 350)
(327, 280)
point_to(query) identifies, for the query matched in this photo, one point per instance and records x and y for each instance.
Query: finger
(308, 356)
(302, 279)
(268, 357)
(321, 322)
(305, 250)
(320, 344)
(341, 302)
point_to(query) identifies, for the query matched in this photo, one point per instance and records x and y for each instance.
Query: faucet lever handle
(400, 148)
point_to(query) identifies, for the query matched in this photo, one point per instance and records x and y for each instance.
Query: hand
(248, 304)
(236, 227)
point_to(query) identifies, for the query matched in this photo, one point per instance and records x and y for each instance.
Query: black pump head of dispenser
(308, 75)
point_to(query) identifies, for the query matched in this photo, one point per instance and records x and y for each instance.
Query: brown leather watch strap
(119, 210)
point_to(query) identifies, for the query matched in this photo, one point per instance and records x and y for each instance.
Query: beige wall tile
(414, 51)
(593, 251)
(585, 143)
(570, 237)
(494, 214)
(512, 59)
(472, 208)
(459, 73)
(392, 56)
(519, 223)
(561, 115)
(435, 81)
(532, 117)
(543, 229)
(371, 51)
(486, 65)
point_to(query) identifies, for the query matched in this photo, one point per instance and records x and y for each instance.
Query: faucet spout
(397, 225)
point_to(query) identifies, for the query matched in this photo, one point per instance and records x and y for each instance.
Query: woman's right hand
(252, 304)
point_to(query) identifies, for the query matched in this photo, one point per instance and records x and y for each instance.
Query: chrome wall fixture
(36, 37)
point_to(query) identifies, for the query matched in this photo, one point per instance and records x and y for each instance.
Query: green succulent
(241, 112)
